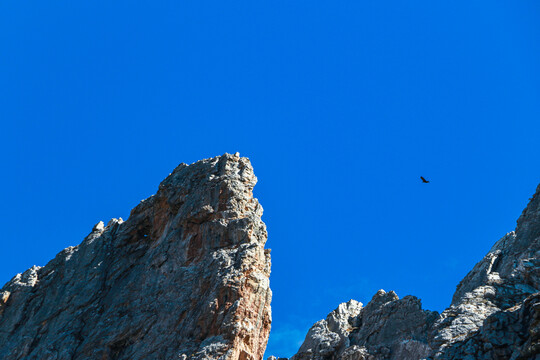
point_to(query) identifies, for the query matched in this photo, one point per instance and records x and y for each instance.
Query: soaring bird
(424, 180)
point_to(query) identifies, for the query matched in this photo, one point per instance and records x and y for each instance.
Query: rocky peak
(339, 319)
(494, 314)
(386, 325)
(332, 334)
(184, 277)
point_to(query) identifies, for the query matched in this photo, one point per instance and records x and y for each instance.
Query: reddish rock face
(185, 277)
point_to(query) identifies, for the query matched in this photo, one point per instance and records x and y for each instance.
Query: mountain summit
(185, 277)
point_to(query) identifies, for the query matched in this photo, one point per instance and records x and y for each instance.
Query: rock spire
(186, 276)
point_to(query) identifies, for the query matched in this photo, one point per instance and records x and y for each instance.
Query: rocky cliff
(185, 277)
(494, 314)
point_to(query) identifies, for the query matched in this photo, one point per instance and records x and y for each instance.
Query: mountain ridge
(186, 276)
(494, 313)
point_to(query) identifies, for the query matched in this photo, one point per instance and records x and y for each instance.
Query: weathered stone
(185, 277)
(389, 325)
(513, 333)
(493, 294)
(386, 325)
(329, 336)
(494, 314)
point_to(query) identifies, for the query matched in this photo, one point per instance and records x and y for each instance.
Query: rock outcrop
(185, 277)
(387, 327)
(494, 314)
(494, 311)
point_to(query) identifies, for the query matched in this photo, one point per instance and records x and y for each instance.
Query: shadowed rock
(185, 277)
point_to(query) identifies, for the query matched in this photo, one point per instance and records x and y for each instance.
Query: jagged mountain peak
(184, 277)
(494, 314)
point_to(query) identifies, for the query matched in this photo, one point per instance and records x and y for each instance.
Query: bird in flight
(424, 180)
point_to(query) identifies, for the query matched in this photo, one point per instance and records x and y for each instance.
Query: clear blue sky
(340, 105)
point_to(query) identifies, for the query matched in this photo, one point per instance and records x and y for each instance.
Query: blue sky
(340, 106)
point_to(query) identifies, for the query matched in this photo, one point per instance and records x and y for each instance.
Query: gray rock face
(185, 277)
(497, 294)
(329, 336)
(386, 326)
(389, 325)
(494, 314)
(512, 333)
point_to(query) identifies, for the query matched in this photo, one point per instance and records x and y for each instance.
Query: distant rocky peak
(494, 314)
